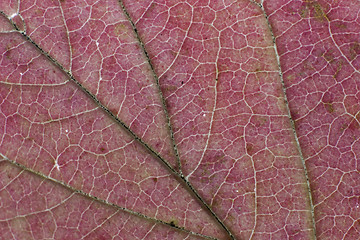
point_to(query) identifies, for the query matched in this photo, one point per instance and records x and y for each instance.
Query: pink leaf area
(168, 119)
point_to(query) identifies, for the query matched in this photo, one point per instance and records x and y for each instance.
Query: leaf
(179, 120)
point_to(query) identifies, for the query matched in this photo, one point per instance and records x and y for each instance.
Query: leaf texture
(179, 119)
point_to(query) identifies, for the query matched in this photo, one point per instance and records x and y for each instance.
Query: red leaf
(173, 120)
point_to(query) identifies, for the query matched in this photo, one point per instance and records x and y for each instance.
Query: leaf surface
(179, 119)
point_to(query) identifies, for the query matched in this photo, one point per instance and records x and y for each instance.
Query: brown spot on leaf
(315, 10)
(304, 12)
(329, 107)
(173, 222)
(343, 127)
(119, 29)
(170, 88)
(328, 56)
(319, 12)
(354, 50)
(8, 53)
(339, 65)
(339, 25)
(250, 149)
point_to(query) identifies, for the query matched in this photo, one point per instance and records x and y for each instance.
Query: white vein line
(11, 181)
(337, 46)
(292, 124)
(67, 35)
(35, 84)
(93, 97)
(152, 227)
(93, 198)
(101, 224)
(186, 36)
(212, 112)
